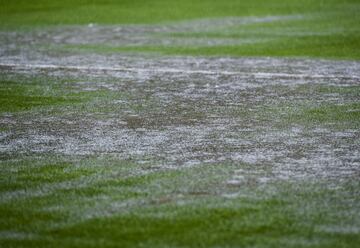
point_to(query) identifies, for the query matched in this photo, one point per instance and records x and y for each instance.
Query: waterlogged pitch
(114, 136)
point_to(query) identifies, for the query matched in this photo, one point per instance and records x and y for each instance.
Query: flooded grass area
(145, 154)
(113, 133)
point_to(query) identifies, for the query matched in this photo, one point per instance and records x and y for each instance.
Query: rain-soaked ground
(284, 119)
(170, 34)
(183, 111)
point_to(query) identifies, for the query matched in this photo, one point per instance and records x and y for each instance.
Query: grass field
(179, 123)
(327, 29)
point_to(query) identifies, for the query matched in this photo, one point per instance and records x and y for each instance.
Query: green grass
(333, 113)
(330, 47)
(42, 12)
(310, 115)
(326, 29)
(343, 116)
(29, 93)
(99, 200)
(177, 208)
(17, 96)
(70, 201)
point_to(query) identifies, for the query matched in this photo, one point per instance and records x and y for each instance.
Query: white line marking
(172, 70)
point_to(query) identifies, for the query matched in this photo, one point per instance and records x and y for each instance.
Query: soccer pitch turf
(179, 124)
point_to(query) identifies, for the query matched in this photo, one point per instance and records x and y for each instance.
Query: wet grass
(53, 200)
(41, 12)
(349, 114)
(326, 115)
(33, 177)
(246, 225)
(27, 93)
(172, 208)
(331, 113)
(322, 29)
(48, 199)
(15, 96)
(337, 46)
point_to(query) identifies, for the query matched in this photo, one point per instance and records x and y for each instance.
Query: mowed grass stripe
(41, 12)
(234, 221)
(50, 179)
(111, 192)
(323, 29)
